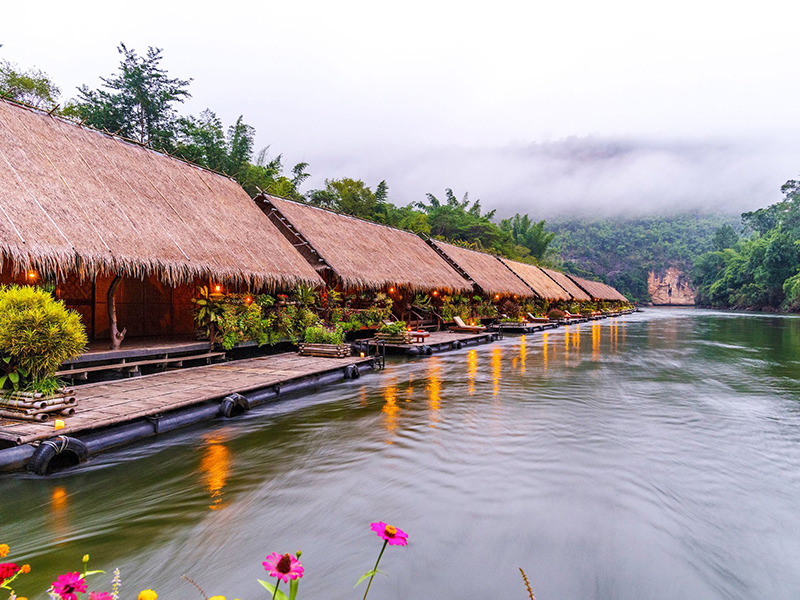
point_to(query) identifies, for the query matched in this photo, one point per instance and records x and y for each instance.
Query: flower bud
(299, 553)
(85, 558)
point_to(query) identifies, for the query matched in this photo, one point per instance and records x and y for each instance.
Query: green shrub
(555, 315)
(319, 334)
(395, 328)
(37, 334)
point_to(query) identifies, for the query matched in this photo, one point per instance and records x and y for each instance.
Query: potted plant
(394, 333)
(319, 340)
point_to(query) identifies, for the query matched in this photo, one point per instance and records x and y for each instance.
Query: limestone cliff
(670, 288)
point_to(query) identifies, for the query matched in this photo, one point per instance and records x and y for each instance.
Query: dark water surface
(652, 456)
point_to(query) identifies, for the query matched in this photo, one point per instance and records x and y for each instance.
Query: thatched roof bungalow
(361, 254)
(570, 286)
(75, 200)
(490, 275)
(544, 287)
(599, 291)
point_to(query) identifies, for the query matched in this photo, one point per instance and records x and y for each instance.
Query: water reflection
(545, 337)
(59, 518)
(215, 468)
(434, 388)
(566, 344)
(595, 340)
(391, 411)
(523, 354)
(472, 370)
(497, 364)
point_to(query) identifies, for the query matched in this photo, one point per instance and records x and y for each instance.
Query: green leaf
(3, 380)
(93, 573)
(365, 575)
(293, 585)
(14, 377)
(279, 595)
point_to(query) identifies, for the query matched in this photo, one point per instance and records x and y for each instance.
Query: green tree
(725, 237)
(31, 86)
(531, 235)
(137, 102)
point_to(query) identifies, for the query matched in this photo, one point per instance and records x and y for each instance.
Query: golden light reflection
(497, 363)
(545, 337)
(59, 518)
(566, 343)
(362, 397)
(595, 340)
(523, 354)
(390, 410)
(576, 339)
(215, 468)
(472, 369)
(434, 389)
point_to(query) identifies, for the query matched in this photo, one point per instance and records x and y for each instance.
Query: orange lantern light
(435, 293)
(497, 296)
(391, 290)
(218, 288)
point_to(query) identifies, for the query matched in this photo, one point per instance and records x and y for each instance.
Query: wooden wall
(147, 308)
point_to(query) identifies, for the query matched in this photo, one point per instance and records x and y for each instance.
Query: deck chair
(532, 319)
(461, 326)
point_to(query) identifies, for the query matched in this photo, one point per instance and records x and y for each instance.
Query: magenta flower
(68, 584)
(392, 535)
(100, 596)
(284, 567)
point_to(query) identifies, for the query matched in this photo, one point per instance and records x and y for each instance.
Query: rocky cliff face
(670, 288)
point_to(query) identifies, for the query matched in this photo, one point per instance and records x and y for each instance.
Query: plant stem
(275, 593)
(377, 562)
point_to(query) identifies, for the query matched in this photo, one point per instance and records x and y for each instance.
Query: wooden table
(419, 336)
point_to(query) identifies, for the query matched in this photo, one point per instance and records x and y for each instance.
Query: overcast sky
(540, 107)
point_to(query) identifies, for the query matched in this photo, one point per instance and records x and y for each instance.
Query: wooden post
(116, 335)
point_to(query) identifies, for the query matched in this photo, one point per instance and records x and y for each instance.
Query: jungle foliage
(761, 269)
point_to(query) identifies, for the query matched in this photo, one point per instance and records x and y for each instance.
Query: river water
(651, 456)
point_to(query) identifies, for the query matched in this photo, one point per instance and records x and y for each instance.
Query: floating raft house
(569, 286)
(598, 291)
(360, 254)
(80, 207)
(488, 274)
(544, 287)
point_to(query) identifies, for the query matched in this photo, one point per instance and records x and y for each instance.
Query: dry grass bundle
(545, 288)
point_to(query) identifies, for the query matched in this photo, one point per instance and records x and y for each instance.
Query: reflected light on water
(434, 389)
(523, 354)
(59, 507)
(576, 339)
(215, 468)
(390, 411)
(497, 363)
(472, 369)
(545, 336)
(595, 340)
(566, 344)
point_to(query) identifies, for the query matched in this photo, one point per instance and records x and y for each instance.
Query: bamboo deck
(438, 341)
(110, 403)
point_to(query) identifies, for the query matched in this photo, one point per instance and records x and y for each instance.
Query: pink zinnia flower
(284, 567)
(100, 596)
(393, 535)
(67, 584)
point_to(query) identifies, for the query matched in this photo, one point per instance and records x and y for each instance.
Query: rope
(59, 446)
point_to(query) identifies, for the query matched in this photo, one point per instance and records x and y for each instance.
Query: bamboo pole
(9, 414)
(116, 335)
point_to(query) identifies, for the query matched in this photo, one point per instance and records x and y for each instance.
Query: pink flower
(393, 535)
(67, 584)
(284, 567)
(100, 596)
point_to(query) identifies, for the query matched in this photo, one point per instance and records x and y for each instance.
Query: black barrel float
(457, 345)
(352, 372)
(426, 350)
(57, 453)
(233, 406)
(413, 351)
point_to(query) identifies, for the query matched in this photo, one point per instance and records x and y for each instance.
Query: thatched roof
(75, 199)
(570, 286)
(363, 254)
(545, 288)
(488, 273)
(598, 290)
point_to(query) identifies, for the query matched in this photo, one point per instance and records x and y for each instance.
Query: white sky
(431, 95)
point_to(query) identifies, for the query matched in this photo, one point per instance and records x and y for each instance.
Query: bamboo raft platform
(523, 327)
(436, 341)
(154, 400)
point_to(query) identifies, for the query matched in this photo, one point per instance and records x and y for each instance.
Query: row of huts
(106, 221)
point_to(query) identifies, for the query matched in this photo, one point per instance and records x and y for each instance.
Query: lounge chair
(461, 326)
(532, 319)
(568, 315)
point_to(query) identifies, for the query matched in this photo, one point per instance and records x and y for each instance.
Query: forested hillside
(623, 251)
(760, 270)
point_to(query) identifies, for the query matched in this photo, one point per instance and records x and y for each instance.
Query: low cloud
(582, 176)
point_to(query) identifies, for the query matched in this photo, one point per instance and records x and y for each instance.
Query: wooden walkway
(123, 400)
(437, 341)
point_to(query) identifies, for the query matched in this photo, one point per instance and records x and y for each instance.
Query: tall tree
(529, 234)
(30, 86)
(137, 102)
